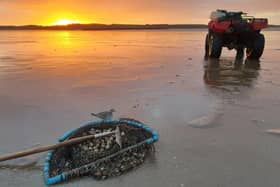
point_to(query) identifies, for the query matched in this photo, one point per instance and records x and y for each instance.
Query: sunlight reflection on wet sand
(51, 81)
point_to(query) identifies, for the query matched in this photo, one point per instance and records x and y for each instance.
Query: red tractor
(235, 30)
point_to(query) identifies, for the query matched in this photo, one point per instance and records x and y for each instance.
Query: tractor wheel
(239, 53)
(206, 47)
(256, 51)
(215, 44)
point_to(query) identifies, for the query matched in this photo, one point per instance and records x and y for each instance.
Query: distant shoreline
(105, 27)
(88, 27)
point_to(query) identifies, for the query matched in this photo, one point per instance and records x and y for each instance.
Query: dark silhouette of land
(96, 26)
(103, 27)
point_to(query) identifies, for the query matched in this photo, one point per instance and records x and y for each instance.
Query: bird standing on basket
(106, 115)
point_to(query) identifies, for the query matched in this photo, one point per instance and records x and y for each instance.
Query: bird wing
(103, 115)
(97, 115)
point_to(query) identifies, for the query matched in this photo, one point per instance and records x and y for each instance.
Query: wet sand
(211, 119)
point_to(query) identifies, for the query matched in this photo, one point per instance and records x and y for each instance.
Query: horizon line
(12, 25)
(113, 26)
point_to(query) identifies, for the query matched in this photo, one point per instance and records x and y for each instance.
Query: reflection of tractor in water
(229, 74)
(235, 30)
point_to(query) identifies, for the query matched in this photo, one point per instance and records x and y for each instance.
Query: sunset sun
(66, 22)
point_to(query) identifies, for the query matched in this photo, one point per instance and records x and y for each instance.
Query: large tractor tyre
(206, 47)
(214, 45)
(239, 53)
(256, 51)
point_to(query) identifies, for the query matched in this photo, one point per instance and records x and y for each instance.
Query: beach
(211, 119)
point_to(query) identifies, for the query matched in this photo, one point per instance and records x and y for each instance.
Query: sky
(49, 12)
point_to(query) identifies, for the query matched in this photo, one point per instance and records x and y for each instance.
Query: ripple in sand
(27, 163)
(273, 131)
(207, 121)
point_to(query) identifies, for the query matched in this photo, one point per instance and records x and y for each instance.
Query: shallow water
(211, 118)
